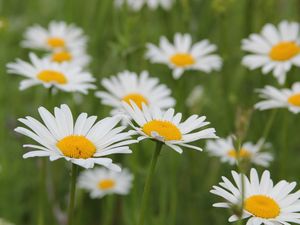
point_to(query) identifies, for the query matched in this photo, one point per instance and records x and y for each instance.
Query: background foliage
(117, 42)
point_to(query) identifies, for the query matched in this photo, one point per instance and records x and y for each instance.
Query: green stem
(249, 9)
(239, 222)
(269, 125)
(148, 183)
(186, 9)
(109, 206)
(72, 194)
(242, 170)
(283, 156)
(42, 184)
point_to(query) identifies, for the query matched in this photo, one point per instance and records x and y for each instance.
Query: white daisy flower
(84, 142)
(280, 98)
(58, 35)
(264, 203)
(100, 182)
(66, 77)
(184, 55)
(137, 5)
(167, 126)
(275, 49)
(140, 89)
(76, 56)
(225, 150)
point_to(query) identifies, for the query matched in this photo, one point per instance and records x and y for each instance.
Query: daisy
(58, 35)
(275, 49)
(100, 182)
(225, 150)
(167, 127)
(128, 86)
(83, 143)
(264, 203)
(66, 77)
(280, 98)
(136, 5)
(77, 56)
(182, 55)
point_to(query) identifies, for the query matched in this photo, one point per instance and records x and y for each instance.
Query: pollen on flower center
(106, 184)
(165, 129)
(243, 153)
(262, 206)
(138, 99)
(56, 42)
(76, 146)
(51, 76)
(61, 56)
(294, 100)
(182, 59)
(284, 51)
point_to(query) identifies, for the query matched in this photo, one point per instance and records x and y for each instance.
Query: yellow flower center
(262, 206)
(51, 76)
(76, 146)
(138, 99)
(284, 51)
(165, 129)
(294, 99)
(182, 59)
(56, 42)
(243, 153)
(61, 56)
(106, 184)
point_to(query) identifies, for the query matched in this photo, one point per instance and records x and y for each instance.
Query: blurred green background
(117, 41)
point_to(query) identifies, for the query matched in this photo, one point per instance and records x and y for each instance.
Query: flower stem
(242, 168)
(109, 208)
(269, 124)
(42, 186)
(148, 183)
(72, 194)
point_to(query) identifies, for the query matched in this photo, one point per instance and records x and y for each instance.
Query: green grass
(180, 192)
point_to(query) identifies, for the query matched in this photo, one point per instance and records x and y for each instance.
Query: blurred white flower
(280, 98)
(195, 96)
(4, 222)
(76, 56)
(58, 35)
(276, 49)
(136, 5)
(225, 150)
(100, 182)
(183, 55)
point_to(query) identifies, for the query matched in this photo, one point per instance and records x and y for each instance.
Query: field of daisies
(149, 112)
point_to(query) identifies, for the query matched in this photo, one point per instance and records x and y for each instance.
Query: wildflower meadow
(149, 112)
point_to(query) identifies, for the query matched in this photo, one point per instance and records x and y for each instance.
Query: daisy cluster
(143, 108)
(140, 105)
(64, 59)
